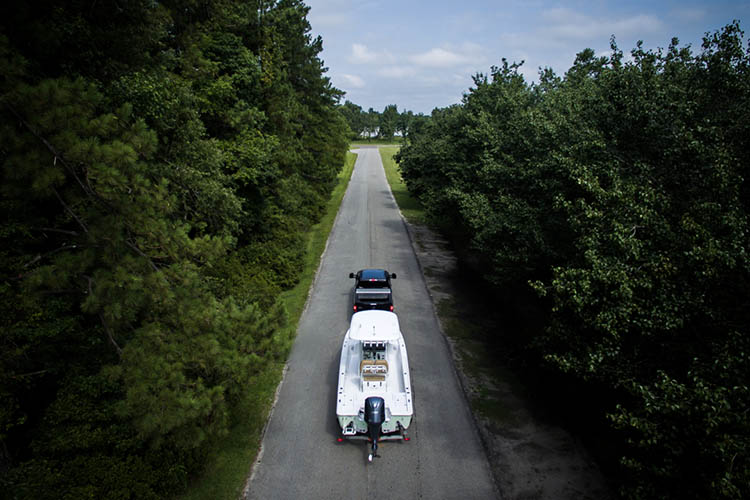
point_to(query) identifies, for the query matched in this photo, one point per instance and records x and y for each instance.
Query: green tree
(619, 193)
(403, 122)
(354, 117)
(372, 122)
(160, 164)
(388, 122)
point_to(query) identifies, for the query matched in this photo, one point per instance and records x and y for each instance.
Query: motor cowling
(374, 417)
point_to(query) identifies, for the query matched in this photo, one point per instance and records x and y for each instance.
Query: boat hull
(374, 364)
(351, 425)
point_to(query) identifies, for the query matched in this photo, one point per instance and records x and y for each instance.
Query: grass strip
(229, 464)
(410, 207)
(458, 317)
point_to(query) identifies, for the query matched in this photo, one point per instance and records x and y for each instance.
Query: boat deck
(357, 380)
(374, 363)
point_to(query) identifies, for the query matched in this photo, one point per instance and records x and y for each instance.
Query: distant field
(379, 142)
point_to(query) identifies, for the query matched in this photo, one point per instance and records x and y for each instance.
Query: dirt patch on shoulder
(530, 459)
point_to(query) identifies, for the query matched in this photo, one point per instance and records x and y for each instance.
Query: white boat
(374, 400)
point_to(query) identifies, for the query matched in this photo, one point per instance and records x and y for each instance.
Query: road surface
(300, 458)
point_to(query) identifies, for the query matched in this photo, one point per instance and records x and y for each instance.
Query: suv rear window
(373, 297)
(373, 274)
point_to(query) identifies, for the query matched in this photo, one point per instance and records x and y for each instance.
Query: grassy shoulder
(229, 465)
(410, 207)
(317, 237)
(459, 321)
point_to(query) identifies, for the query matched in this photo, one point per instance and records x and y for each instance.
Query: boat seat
(373, 372)
(373, 366)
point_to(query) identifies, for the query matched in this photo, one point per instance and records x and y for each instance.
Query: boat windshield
(373, 350)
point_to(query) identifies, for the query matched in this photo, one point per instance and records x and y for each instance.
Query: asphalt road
(300, 458)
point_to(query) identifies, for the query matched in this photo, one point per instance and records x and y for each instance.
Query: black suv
(372, 289)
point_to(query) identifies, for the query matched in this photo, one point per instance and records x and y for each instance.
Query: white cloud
(567, 25)
(560, 33)
(361, 54)
(449, 57)
(332, 13)
(689, 14)
(438, 58)
(351, 81)
(415, 58)
(461, 78)
(328, 20)
(636, 25)
(397, 71)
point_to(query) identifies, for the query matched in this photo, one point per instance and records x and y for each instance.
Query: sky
(421, 54)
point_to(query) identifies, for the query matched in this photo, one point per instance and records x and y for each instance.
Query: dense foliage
(160, 164)
(610, 208)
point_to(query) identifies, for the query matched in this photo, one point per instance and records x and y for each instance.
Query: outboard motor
(374, 416)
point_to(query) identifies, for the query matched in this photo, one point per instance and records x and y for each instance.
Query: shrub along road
(300, 457)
